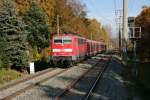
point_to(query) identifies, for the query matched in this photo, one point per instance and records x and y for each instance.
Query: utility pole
(120, 42)
(91, 43)
(125, 28)
(91, 36)
(118, 14)
(120, 31)
(134, 37)
(58, 25)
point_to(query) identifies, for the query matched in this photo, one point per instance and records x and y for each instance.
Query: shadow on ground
(40, 65)
(110, 87)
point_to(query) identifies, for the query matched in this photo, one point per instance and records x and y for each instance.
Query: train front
(62, 49)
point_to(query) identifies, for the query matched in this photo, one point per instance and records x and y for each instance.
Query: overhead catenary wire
(118, 22)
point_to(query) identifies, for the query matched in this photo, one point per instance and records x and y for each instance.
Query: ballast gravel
(51, 88)
(6, 92)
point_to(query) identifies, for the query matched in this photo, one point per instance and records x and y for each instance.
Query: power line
(115, 6)
(118, 21)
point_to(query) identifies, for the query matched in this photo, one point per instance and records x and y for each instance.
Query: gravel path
(49, 89)
(111, 87)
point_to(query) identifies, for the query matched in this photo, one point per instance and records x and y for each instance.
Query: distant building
(131, 21)
(130, 25)
(134, 32)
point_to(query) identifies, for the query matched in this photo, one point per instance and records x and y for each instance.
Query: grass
(143, 73)
(141, 85)
(8, 75)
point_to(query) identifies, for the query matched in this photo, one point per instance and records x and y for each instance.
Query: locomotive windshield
(57, 40)
(64, 40)
(67, 40)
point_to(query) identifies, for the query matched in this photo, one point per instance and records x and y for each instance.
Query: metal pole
(91, 36)
(135, 67)
(91, 45)
(57, 24)
(120, 23)
(125, 27)
(125, 19)
(119, 40)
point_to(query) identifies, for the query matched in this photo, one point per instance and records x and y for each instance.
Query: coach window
(80, 41)
(84, 41)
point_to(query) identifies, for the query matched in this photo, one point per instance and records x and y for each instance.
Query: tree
(107, 34)
(65, 14)
(12, 37)
(143, 21)
(21, 6)
(37, 26)
(48, 7)
(69, 17)
(72, 16)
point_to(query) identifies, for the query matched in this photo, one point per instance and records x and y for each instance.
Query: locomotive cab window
(57, 41)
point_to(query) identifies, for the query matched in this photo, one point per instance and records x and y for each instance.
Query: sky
(104, 10)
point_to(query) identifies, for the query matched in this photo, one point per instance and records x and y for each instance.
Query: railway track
(65, 95)
(25, 79)
(46, 75)
(29, 84)
(12, 90)
(89, 93)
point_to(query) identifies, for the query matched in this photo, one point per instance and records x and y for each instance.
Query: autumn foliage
(143, 21)
(72, 17)
(39, 19)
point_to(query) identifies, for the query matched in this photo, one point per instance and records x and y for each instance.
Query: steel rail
(73, 83)
(25, 79)
(86, 97)
(32, 85)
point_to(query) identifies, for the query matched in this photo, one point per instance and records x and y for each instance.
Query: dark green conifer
(12, 37)
(37, 26)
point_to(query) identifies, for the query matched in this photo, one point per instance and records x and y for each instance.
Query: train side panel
(82, 48)
(72, 48)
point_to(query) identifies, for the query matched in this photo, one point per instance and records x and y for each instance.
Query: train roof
(76, 35)
(69, 34)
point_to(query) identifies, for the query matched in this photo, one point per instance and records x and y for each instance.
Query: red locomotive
(68, 48)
